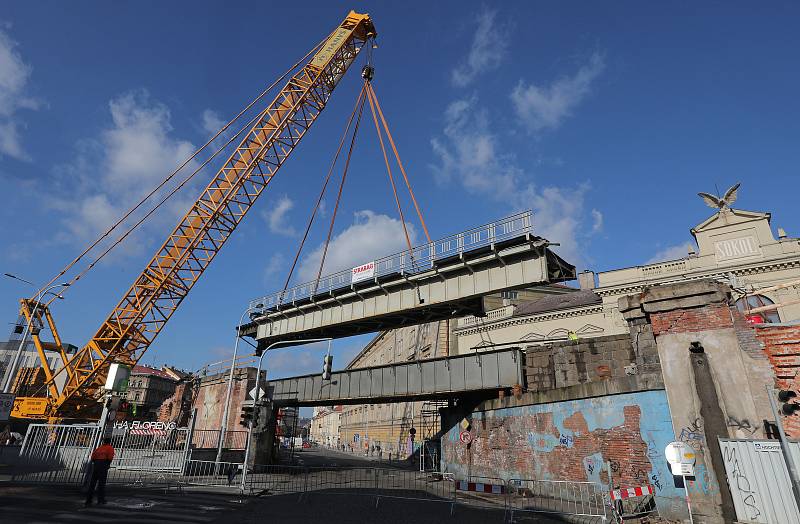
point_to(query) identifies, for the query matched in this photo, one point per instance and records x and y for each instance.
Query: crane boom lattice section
(158, 291)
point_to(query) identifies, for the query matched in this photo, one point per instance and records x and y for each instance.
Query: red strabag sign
(363, 272)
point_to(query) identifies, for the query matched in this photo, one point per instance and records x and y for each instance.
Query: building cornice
(749, 269)
(531, 319)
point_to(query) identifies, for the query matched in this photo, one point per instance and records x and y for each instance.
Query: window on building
(747, 304)
(511, 295)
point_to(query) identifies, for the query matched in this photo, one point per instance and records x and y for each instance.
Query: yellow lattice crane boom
(188, 250)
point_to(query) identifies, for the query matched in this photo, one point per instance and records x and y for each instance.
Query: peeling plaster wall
(573, 440)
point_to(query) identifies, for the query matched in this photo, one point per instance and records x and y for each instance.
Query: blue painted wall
(574, 440)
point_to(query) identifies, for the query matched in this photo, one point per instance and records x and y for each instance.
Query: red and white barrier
(497, 489)
(160, 432)
(626, 493)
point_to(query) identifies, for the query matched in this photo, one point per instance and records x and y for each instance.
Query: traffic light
(327, 366)
(788, 407)
(124, 405)
(247, 415)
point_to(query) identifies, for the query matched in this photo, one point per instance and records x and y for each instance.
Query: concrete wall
(210, 399)
(573, 440)
(714, 373)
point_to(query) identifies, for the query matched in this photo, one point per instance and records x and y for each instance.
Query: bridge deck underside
(449, 289)
(439, 378)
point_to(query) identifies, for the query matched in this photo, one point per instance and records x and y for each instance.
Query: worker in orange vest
(101, 462)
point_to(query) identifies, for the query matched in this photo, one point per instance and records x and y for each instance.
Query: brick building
(148, 388)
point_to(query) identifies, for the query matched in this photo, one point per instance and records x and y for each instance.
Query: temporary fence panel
(481, 491)
(759, 480)
(554, 496)
(412, 485)
(271, 478)
(57, 453)
(334, 480)
(210, 473)
(209, 438)
(149, 449)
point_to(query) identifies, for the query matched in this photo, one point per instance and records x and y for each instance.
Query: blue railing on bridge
(419, 259)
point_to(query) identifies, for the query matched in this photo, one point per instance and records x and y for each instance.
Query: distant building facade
(325, 425)
(30, 362)
(148, 388)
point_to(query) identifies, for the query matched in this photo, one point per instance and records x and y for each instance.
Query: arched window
(746, 304)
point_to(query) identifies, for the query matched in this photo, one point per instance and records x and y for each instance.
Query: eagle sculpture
(721, 203)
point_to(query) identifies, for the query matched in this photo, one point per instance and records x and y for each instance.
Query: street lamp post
(224, 426)
(258, 389)
(12, 368)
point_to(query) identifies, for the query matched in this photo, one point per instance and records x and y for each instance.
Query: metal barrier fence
(60, 454)
(481, 492)
(210, 473)
(553, 496)
(57, 453)
(276, 479)
(151, 450)
(208, 439)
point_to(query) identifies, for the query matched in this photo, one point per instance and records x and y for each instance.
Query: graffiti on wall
(693, 435)
(739, 481)
(578, 440)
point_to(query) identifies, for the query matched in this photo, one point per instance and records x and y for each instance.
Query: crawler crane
(158, 291)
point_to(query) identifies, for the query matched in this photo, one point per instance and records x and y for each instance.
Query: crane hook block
(368, 73)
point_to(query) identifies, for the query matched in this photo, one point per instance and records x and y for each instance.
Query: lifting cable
(367, 93)
(391, 178)
(362, 98)
(374, 97)
(359, 101)
(170, 177)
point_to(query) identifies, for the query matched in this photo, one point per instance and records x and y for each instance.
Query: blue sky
(605, 119)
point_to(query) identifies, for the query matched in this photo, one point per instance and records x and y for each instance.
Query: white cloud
(274, 265)
(371, 236)
(277, 218)
(671, 253)
(486, 52)
(469, 150)
(139, 151)
(469, 153)
(113, 171)
(546, 107)
(14, 76)
(212, 122)
(597, 221)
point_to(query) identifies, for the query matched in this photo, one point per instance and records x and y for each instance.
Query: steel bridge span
(445, 279)
(431, 379)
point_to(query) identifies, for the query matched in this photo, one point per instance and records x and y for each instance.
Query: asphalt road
(327, 457)
(57, 504)
(60, 504)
